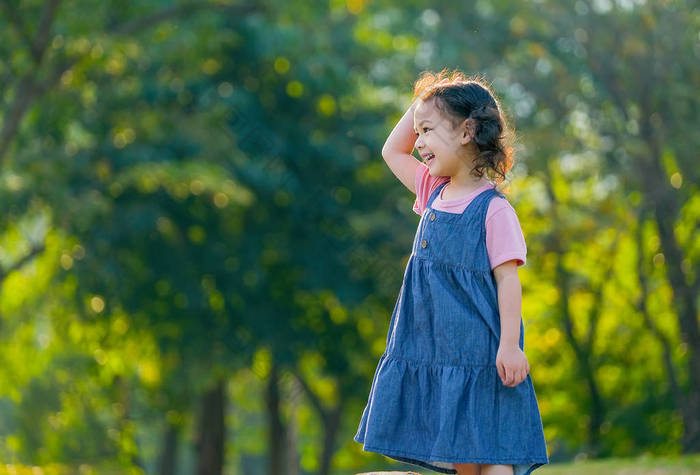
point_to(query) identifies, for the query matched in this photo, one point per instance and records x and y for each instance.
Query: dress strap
(435, 193)
(480, 203)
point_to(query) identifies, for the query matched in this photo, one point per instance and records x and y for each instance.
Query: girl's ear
(467, 131)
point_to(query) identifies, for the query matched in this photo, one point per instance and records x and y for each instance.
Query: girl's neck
(459, 189)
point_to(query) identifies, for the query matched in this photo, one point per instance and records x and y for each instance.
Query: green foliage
(194, 192)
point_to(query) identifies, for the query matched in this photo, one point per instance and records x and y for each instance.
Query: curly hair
(459, 97)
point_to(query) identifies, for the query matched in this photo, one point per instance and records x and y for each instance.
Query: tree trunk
(642, 307)
(125, 419)
(210, 443)
(686, 308)
(166, 462)
(292, 447)
(276, 429)
(582, 350)
(664, 203)
(331, 425)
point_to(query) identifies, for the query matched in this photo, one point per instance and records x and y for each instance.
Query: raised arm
(398, 148)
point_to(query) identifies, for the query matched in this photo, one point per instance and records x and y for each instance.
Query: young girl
(452, 391)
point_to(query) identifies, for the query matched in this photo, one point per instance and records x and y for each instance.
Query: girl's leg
(467, 468)
(488, 469)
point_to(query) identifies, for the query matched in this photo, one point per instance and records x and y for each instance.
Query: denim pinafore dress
(436, 397)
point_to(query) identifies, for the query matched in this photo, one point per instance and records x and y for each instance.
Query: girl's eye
(425, 128)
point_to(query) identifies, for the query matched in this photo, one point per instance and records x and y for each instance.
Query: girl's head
(460, 123)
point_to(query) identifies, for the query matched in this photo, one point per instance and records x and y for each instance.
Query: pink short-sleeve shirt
(504, 237)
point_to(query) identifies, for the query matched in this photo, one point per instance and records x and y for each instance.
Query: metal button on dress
(432, 216)
(424, 243)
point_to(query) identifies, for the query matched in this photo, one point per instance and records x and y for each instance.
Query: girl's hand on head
(512, 365)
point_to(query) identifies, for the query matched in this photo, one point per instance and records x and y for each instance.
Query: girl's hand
(512, 365)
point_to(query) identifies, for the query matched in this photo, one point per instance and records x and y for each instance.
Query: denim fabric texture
(436, 397)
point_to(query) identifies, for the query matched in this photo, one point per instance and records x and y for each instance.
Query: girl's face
(440, 146)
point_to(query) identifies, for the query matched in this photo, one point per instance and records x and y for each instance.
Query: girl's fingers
(521, 374)
(512, 377)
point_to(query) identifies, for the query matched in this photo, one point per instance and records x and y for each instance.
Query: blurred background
(201, 245)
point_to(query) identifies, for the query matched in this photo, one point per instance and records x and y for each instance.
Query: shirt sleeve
(504, 237)
(425, 185)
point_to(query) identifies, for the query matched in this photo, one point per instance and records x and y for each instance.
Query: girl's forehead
(425, 111)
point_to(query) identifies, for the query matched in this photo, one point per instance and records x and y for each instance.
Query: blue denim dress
(436, 397)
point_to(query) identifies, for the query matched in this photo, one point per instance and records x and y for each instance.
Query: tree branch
(33, 252)
(594, 314)
(140, 24)
(18, 23)
(28, 89)
(315, 401)
(41, 40)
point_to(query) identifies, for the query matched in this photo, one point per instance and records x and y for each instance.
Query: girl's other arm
(511, 362)
(509, 301)
(398, 148)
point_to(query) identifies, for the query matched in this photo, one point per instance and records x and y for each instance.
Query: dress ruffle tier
(434, 413)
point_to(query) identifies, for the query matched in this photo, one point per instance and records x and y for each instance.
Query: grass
(643, 465)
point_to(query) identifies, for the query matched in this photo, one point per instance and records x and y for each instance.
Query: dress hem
(437, 458)
(453, 471)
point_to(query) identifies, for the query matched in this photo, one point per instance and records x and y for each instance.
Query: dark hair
(459, 97)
